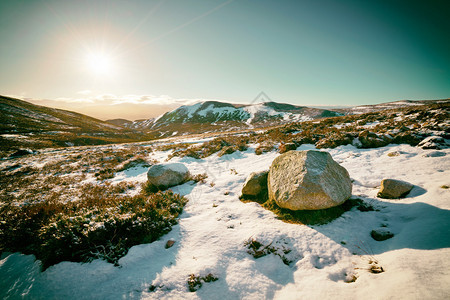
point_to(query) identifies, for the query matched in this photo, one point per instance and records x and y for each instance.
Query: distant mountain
(138, 124)
(246, 116)
(361, 109)
(19, 116)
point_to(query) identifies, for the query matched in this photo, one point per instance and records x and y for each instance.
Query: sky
(134, 59)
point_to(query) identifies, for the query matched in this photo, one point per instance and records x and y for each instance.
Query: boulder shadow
(419, 226)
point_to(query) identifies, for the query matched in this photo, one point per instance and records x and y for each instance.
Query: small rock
(434, 154)
(256, 184)
(433, 142)
(393, 153)
(334, 140)
(381, 234)
(285, 147)
(227, 150)
(394, 189)
(170, 243)
(21, 152)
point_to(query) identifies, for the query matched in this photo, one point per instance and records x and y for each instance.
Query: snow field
(215, 225)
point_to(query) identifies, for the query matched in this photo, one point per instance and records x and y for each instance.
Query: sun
(100, 63)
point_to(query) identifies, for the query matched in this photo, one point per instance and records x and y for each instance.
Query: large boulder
(394, 189)
(308, 180)
(255, 185)
(163, 176)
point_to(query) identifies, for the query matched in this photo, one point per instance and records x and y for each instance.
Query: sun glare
(100, 63)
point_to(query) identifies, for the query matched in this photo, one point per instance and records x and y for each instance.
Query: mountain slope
(26, 125)
(19, 116)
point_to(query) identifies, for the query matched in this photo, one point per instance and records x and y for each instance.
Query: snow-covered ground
(323, 259)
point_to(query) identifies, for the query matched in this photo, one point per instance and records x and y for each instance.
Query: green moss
(310, 217)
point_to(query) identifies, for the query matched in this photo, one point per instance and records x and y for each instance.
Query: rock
(163, 176)
(434, 154)
(394, 153)
(394, 189)
(308, 180)
(284, 147)
(21, 152)
(227, 150)
(372, 140)
(255, 185)
(406, 138)
(170, 243)
(138, 162)
(381, 234)
(433, 142)
(334, 140)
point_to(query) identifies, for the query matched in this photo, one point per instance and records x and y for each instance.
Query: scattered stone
(381, 234)
(434, 154)
(433, 142)
(284, 147)
(163, 176)
(372, 140)
(394, 153)
(256, 184)
(227, 150)
(376, 268)
(308, 180)
(170, 243)
(406, 138)
(394, 189)
(21, 152)
(138, 162)
(195, 282)
(334, 140)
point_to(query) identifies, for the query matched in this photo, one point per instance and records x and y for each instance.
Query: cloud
(84, 92)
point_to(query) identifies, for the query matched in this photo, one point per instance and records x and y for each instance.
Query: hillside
(26, 125)
(19, 116)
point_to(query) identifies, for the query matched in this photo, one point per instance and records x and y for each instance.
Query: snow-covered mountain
(214, 112)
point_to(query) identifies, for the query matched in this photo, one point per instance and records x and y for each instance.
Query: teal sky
(302, 52)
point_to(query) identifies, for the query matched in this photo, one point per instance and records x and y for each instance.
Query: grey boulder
(308, 180)
(163, 176)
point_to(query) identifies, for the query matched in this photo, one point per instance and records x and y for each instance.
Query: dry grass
(51, 213)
